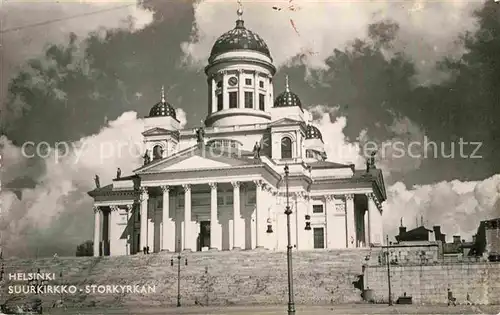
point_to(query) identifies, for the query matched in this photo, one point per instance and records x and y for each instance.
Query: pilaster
(329, 220)
(350, 222)
(241, 94)
(260, 216)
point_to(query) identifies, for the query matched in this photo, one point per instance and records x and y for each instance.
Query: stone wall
(210, 278)
(428, 284)
(404, 253)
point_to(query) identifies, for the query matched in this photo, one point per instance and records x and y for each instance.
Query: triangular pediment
(196, 158)
(157, 131)
(285, 121)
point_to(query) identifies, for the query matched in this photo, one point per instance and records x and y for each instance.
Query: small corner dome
(313, 133)
(162, 109)
(239, 38)
(287, 98)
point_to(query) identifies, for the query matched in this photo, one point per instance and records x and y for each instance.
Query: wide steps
(216, 278)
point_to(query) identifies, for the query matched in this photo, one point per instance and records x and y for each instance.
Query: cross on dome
(163, 94)
(239, 12)
(287, 85)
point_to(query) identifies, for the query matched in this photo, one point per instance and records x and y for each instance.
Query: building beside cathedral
(223, 187)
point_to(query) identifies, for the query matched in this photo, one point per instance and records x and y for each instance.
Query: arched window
(157, 152)
(286, 148)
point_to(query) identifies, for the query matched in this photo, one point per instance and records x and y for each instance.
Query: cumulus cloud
(428, 29)
(57, 212)
(457, 206)
(27, 27)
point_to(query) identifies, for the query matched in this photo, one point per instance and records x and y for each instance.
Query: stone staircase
(210, 278)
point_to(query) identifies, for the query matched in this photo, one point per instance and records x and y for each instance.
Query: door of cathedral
(204, 236)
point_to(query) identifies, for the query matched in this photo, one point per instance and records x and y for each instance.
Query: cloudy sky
(85, 72)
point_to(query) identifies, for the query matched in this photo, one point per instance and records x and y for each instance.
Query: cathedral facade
(226, 185)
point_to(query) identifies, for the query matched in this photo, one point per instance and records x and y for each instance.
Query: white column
(97, 230)
(215, 236)
(213, 87)
(236, 216)
(241, 95)
(350, 224)
(130, 230)
(114, 233)
(187, 218)
(260, 216)
(373, 222)
(255, 90)
(168, 226)
(144, 218)
(367, 228)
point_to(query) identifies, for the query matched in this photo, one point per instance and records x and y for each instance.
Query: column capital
(130, 207)
(300, 195)
(349, 197)
(187, 187)
(144, 191)
(165, 188)
(212, 185)
(329, 198)
(236, 184)
(259, 184)
(96, 209)
(240, 71)
(370, 196)
(114, 208)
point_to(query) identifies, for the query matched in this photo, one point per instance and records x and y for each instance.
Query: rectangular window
(220, 200)
(262, 102)
(317, 208)
(319, 237)
(309, 154)
(219, 102)
(233, 99)
(248, 81)
(261, 84)
(248, 100)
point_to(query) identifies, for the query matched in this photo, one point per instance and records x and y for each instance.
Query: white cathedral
(223, 186)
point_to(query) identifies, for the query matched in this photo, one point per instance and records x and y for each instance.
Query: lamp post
(288, 212)
(178, 257)
(388, 270)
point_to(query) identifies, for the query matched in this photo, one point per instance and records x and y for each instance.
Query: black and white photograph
(249, 157)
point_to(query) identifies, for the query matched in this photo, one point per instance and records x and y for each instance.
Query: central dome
(239, 38)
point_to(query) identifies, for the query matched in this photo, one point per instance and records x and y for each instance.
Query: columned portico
(97, 231)
(237, 240)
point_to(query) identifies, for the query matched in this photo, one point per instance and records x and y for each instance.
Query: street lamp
(178, 276)
(288, 212)
(388, 270)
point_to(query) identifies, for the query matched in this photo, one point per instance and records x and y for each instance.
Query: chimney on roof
(402, 230)
(456, 239)
(437, 233)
